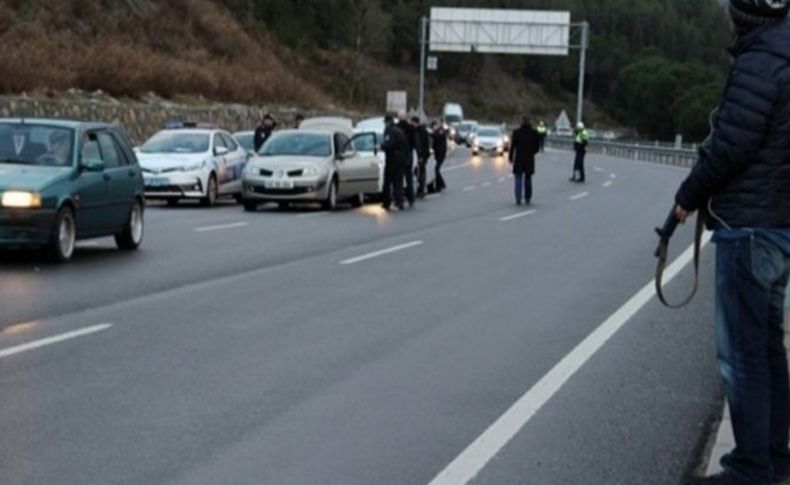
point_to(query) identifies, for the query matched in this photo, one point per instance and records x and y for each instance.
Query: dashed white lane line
(598, 169)
(517, 216)
(53, 340)
(221, 227)
(607, 184)
(502, 179)
(579, 196)
(456, 167)
(612, 176)
(468, 188)
(486, 184)
(88, 244)
(433, 196)
(376, 254)
(477, 455)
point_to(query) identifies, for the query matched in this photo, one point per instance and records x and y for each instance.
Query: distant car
(311, 165)
(489, 139)
(246, 139)
(465, 132)
(61, 181)
(192, 163)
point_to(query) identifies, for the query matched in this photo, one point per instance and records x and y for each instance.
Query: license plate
(156, 182)
(279, 184)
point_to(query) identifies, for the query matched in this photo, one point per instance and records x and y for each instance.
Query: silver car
(310, 165)
(490, 139)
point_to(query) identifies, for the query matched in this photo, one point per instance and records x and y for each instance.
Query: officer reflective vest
(541, 129)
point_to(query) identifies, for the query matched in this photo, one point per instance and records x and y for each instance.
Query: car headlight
(21, 200)
(194, 166)
(251, 169)
(313, 171)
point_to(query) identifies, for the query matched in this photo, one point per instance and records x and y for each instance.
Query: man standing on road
(742, 179)
(439, 139)
(263, 131)
(396, 148)
(408, 170)
(580, 147)
(524, 144)
(542, 131)
(422, 140)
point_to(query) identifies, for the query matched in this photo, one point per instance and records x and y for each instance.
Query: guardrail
(683, 157)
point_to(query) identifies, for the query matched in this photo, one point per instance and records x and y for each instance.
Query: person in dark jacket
(263, 131)
(396, 149)
(439, 141)
(408, 170)
(524, 144)
(422, 141)
(742, 178)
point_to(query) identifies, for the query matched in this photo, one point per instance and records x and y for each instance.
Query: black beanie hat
(753, 13)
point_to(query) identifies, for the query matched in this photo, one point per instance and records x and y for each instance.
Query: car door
(91, 190)
(220, 156)
(121, 183)
(367, 167)
(236, 160)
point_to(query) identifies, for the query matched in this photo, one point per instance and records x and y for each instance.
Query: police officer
(422, 140)
(524, 144)
(396, 150)
(580, 147)
(542, 132)
(263, 131)
(439, 141)
(408, 171)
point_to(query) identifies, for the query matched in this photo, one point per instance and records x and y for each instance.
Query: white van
(453, 114)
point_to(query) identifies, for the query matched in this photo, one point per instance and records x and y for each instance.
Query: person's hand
(681, 214)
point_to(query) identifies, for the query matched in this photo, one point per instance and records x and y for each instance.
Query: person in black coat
(742, 178)
(397, 150)
(439, 140)
(408, 170)
(263, 131)
(422, 141)
(524, 144)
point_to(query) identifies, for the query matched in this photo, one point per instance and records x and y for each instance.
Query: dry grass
(130, 47)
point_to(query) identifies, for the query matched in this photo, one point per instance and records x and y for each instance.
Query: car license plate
(280, 184)
(156, 182)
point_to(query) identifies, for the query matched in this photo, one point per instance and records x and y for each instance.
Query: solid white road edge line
(607, 184)
(517, 216)
(468, 188)
(376, 254)
(53, 340)
(477, 455)
(221, 227)
(579, 196)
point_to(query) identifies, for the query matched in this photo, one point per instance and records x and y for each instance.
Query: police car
(192, 161)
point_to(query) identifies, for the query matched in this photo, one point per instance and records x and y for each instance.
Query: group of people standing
(525, 142)
(402, 140)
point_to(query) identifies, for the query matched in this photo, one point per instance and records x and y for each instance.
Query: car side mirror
(251, 153)
(219, 151)
(93, 165)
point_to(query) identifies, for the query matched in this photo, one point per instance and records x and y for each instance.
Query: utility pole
(423, 48)
(585, 37)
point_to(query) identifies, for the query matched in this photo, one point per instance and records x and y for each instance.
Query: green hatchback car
(61, 181)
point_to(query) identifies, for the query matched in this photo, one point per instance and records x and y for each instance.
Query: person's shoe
(386, 207)
(420, 195)
(401, 207)
(572, 179)
(721, 478)
(528, 202)
(518, 202)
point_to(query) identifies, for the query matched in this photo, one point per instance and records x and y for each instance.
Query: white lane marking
(456, 167)
(53, 340)
(579, 196)
(433, 196)
(486, 184)
(517, 216)
(612, 176)
(477, 455)
(502, 179)
(376, 254)
(221, 227)
(312, 214)
(468, 188)
(88, 244)
(598, 169)
(608, 183)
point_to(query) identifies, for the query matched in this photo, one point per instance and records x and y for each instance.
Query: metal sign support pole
(582, 66)
(423, 47)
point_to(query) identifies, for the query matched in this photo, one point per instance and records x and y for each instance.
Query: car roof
(300, 131)
(62, 123)
(194, 131)
(243, 133)
(328, 123)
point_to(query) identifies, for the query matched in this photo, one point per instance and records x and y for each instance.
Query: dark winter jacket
(262, 133)
(422, 140)
(396, 146)
(439, 137)
(743, 172)
(524, 144)
(410, 132)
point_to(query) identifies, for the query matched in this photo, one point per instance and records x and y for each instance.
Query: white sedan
(192, 163)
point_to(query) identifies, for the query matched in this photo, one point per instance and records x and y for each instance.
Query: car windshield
(464, 127)
(32, 144)
(452, 118)
(175, 142)
(489, 133)
(368, 143)
(305, 144)
(245, 140)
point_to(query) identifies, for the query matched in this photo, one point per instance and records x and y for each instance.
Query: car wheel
(330, 203)
(250, 205)
(212, 192)
(132, 235)
(64, 236)
(239, 198)
(358, 201)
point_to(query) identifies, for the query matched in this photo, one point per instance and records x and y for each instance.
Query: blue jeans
(523, 186)
(752, 268)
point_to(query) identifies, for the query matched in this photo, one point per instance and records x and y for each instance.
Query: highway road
(467, 339)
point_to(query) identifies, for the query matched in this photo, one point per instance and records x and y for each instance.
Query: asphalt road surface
(436, 345)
